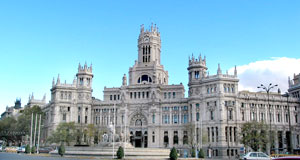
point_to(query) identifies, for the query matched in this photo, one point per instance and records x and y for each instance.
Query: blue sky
(41, 39)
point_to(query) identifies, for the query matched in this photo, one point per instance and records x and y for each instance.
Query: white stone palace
(152, 113)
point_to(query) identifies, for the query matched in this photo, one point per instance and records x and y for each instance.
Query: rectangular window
(230, 114)
(234, 134)
(153, 118)
(243, 116)
(147, 94)
(185, 118)
(165, 117)
(185, 108)
(211, 115)
(85, 121)
(143, 94)
(139, 94)
(174, 94)
(217, 134)
(134, 95)
(169, 93)
(165, 95)
(197, 105)
(111, 97)
(81, 81)
(208, 134)
(64, 117)
(175, 119)
(78, 120)
(197, 116)
(226, 134)
(115, 97)
(68, 109)
(130, 95)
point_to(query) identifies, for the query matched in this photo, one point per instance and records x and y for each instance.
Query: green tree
(65, 132)
(61, 149)
(33, 149)
(201, 153)
(193, 152)
(120, 153)
(255, 135)
(91, 130)
(27, 149)
(173, 154)
(8, 130)
(24, 120)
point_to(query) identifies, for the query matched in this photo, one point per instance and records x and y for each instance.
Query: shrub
(33, 149)
(27, 149)
(201, 153)
(173, 154)
(61, 150)
(120, 153)
(193, 153)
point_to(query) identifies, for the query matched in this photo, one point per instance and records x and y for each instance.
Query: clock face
(146, 39)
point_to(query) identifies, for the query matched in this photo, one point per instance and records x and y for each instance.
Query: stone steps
(107, 152)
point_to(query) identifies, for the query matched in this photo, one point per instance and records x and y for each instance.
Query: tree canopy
(255, 135)
(65, 132)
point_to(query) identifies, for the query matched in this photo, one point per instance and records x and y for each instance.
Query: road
(20, 156)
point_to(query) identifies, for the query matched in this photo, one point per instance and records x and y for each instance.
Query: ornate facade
(152, 113)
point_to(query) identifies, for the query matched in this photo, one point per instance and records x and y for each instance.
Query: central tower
(149, 45)
(147, 69)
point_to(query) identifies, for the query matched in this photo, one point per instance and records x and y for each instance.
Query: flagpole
(31, 133)
(39, 134)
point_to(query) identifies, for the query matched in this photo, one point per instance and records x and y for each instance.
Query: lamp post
(114, 132)
(268, 89)
(290, 146)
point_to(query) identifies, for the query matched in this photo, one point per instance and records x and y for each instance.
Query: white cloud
(275, 71)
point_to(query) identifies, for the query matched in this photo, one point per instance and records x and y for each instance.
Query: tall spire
(85, 66)
(219, 69)
(235, 71)
(44, 97)
(58, 80)
(53, 82)
(74, 80)
(124, 80)
(79, 67)
(142, 28)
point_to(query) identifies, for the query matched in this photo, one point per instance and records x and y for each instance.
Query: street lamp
(268, 89)
(290, 146)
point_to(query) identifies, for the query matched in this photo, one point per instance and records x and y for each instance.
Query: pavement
(22, 156)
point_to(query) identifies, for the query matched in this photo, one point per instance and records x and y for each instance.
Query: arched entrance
(139, 131)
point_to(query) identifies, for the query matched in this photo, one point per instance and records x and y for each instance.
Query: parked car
(287, 158)
(1, 148)
(256, 156)
(11, 149)
(21, 149)
(45, 150)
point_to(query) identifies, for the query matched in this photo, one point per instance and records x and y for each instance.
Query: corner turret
(197, 68)
(84, 76)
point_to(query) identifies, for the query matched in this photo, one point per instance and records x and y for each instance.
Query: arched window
(144, 78)
(146, 53)
(138, 122)
(175, 138)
